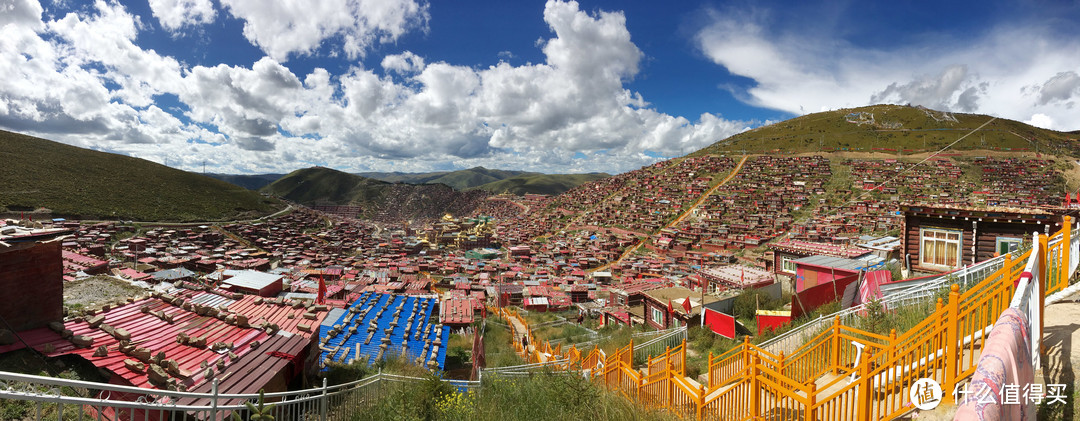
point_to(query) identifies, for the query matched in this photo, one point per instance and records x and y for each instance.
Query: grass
(498, 350)
(459, 353)
(546, 395)
(1061, 411)
(30, 362)
(827, 131)
(77, 183)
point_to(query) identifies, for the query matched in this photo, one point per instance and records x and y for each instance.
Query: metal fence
(914, 293)
(48, 398)
(659, 344)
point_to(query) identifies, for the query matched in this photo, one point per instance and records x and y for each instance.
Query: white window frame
(657, 315)
(785, 262)
(940, 240)
(1013, 242)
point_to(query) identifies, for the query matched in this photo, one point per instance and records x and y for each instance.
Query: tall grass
(546, 395)
(498, 351)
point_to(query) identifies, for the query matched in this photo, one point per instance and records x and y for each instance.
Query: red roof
(149, 331)
(457, 311)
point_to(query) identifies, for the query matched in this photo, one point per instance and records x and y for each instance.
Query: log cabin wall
(989, 232)
(912, 226)
(979, 234)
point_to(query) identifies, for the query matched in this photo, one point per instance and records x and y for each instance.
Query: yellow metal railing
(828, 377)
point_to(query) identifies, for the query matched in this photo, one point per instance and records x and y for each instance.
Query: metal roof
(834, 262)
(251, 279)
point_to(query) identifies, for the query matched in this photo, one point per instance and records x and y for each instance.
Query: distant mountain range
(75, 182)
(460, 179)
(379, 200)
(495, 181)
(81, 183)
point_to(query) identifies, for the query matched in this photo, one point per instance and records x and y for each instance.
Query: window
(940, 248)
(1007, 244)
(657, 315)
(787, 264)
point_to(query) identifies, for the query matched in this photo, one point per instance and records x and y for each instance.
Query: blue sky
(254, 86)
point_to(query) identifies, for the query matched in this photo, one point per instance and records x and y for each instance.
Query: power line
(894, 177)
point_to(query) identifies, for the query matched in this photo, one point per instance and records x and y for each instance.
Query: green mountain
(551, 184)
(250, 182)
(378, 199)
(460, 179)
(894, 129)
(79, 183)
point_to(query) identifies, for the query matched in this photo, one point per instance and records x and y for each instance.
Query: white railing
(660, 344)
(55, 398)
(915, 293)
(527, 369)
(1026, 300)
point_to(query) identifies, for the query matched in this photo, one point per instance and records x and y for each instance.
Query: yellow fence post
(811, 400)
(670, 382)
(951, 351)
(708, 366)
(754, 386)
(835, 346)
(746, 351)
(701, 402)
(865, 386)
(892, 344)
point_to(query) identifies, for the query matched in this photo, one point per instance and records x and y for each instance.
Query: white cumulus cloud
(83, 79)
(176, 14)
(1013, 71)
(287, 27)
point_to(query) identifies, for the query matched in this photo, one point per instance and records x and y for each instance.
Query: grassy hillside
(460, 180)
(541, 183)
(250, 182)
(319, 185)
(894, 129)
(379, 199)
(80, 183)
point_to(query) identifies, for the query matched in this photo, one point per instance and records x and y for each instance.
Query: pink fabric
(1005, 361)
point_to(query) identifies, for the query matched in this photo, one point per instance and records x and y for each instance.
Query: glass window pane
(952, 254)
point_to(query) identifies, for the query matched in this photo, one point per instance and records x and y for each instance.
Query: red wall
(809, 299)
(809, 276)
(765, 323)
(722, 324)
(33, 285)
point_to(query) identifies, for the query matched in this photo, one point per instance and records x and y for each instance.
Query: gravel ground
(96, 290)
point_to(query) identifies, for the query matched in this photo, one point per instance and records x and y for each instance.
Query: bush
(749, 300)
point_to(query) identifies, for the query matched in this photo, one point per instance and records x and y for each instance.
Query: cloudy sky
(258, 86)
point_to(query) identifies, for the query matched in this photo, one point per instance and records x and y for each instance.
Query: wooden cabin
(942, 239)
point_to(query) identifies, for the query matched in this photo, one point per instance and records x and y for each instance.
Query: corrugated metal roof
(212, 300)
(251, 279)
(833, 262)
(149, 331)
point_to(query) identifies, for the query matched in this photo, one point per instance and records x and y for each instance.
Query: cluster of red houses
(244, 282)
